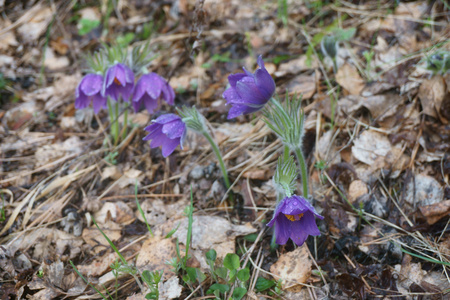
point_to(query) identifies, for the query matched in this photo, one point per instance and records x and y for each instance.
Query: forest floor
(377, 144)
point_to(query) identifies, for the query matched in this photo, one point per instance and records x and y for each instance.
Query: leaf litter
(379, 173)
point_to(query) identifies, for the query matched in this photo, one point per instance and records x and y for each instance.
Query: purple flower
(119, 81)
(249, 92)
(167, 131)
(294, 218)
(149, 89)
(89, 90)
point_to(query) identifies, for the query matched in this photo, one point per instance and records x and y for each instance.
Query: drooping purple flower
(119, 81)
(167, 131)
(90, 90)
(294, 218)
(249, 92)
(149, 89)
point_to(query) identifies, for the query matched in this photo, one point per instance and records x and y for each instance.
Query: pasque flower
(249, 92)
(167, 131)
(149, 89)
(119, 81)
(294, 218)
(89, 90)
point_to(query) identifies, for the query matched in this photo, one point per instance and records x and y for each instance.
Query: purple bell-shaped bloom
(249, 92)
(167, 131)
(149, 89)
(294, 218)
(90, 90)
(119, 81)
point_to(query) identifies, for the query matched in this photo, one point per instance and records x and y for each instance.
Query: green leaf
(243, 275)
(223, 288)
(232, 276)
(344, 34)
(86, 26)
(239, 293)
(211, 255)
(222, 272)
(251, 237)
(231, 261)
(263, 284)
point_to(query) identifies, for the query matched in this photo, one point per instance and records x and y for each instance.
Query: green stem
(286, 153)
(116, 118)
(125, 124)
(303, 170)
(112, 119)
(219, 157)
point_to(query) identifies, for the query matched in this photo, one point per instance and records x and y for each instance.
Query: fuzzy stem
(286, 153)
(125, 124)
(303, 169)
(219, 157)
(116, 118)
(112, 119)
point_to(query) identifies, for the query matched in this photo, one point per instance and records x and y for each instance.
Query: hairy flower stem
(125, 124)
(219, 157)
(286, 153)
(116, 120)
(303, 170)
(112, 121)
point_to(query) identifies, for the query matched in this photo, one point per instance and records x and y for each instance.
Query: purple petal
(297, 234)
(152, 128)
(139, 89)
(81, 101)
(169, 93)
(265, 83)
(282, 230)
(261, 62)
(98, 102)
(231, 95)
(149, 103)
(154, 85)
(234, 78)
(237, 110)
(120, 75)
(249, 91)
(158, 140)
(169, 146)
(174, 129)
(308, 224)
(166, 118)
(91, 84)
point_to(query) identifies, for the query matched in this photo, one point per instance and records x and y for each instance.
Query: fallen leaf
(303, 84)
(423, 190)
(369, 146)
(154, 254)
(36, 25)
(432, 93)
(435, 212)
(294, 268)
(348, 77)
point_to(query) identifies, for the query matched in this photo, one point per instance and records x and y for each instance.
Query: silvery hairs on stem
(286, 121)
(285, 177)
(192, 118)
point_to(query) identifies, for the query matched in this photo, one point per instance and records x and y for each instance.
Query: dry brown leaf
(348, 77)
(48, 153)
(294, 268)
(303, 84)
(98, 266)
(296, 66)
(96, 240)
(54, 62)
(154, 254)
(423, 190)
(36, 25)
(371, 145)
(432, 93)
(357, 189)
(117, 211)
(435, 212)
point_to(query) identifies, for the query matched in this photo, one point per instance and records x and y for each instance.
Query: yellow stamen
(116, 81)
(292, 217)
